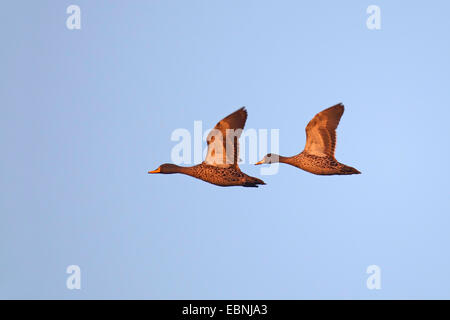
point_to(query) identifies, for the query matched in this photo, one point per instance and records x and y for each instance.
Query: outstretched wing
(321, 131)
(223, 140)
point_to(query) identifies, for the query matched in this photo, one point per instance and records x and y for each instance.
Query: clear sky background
(86, 113)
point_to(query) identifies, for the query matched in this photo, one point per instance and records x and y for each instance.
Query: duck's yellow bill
(155, 171)
(259, 162)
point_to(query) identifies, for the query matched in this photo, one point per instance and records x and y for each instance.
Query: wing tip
(339, 105)
(242, 110)
(339, 108)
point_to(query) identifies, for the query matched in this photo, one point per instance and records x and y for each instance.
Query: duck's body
(224, 177)
(321, 165)
(220, 166)
(318, 155)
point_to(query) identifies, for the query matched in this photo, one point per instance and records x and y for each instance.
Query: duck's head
(269, 158)
(166, 168)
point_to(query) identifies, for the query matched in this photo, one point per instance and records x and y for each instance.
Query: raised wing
(321, 131)
(223, 140)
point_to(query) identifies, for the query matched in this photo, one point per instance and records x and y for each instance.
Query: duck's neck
(278, 158)
(283, 159)
(182, 170)
(295, 161)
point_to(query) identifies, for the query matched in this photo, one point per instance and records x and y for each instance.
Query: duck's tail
(348, 170)
(253, 182)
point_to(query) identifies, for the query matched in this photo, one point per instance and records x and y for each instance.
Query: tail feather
(349, 170)
(253, 182)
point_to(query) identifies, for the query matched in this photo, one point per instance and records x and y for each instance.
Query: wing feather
(223, 140)
(321, 131)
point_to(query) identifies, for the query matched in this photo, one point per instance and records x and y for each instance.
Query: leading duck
(221, 164)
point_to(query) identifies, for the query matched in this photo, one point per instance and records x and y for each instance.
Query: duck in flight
(221, 164)
(318, 155)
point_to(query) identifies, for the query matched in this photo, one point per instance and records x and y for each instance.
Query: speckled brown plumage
(221, 164)
(225, 177)
(321, 165)
(318, 155)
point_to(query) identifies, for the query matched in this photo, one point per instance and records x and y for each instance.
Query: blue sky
(86, 113)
